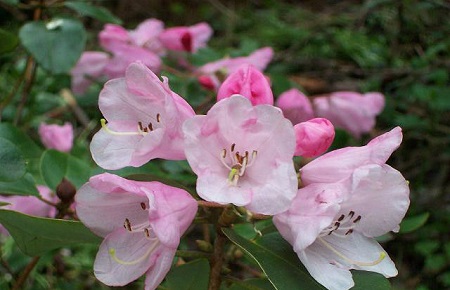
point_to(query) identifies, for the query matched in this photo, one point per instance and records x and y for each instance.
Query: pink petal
(295, 106)
(57, 137)
(339, 164)
(90, 66)
(158, 271)
(313, 137)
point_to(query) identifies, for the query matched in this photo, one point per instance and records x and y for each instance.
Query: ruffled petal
(159, 270)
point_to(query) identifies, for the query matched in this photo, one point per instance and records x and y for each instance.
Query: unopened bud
(66, 191)
(204, 246)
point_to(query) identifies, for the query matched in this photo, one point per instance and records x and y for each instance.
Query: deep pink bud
(313, 137)
(295, 106)
(208, 82)
(248, 82)
(57, 137)
(186, 38)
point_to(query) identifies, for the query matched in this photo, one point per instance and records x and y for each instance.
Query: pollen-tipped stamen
(351, 261)
(138, 132)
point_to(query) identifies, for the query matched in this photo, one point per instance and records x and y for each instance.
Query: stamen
(104, 126)
(357, 219)
(147, 233)
(350, 261)
(224, 153)
(232, 147)
(158, 117)
(351, 214)
(341, 217)
(112, 253)
(150, 126)
(127, 225)
(143, 206)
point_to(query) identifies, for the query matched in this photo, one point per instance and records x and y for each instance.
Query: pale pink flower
(295, 106)
(113, 37)
(339, 164)
(259, 59)
(144, 120)
(89, 67)
(186, 38)
(30, 205)
(242, 154)
(249, 82)
(141, 222)
(350, 111)
(313, 137)
(332, 225)
(57, 137)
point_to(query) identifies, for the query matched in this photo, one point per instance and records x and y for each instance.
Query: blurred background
(400, 48)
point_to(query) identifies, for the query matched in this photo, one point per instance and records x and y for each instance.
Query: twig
(76, 110)
(26, 272)
(215, 278)
(11, 95)
(210, 204)
(30, 71)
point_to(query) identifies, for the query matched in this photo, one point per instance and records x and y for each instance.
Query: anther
(349, 232)
(143, 206)
(158, 117)
(147, 233)
(127, 225)
(232, 147)
(140, 126)
(357, 219)
(224, 153)
(351, 214)
(150, 126)
(341, 218)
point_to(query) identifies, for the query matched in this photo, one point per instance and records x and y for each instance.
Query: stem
(76, 110)
(210, 204)
(216, 261)
(26, 272)
(192, 254)
(11, 95)
(30, 71)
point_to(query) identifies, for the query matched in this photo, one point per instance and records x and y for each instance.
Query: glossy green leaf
(56, 45)
(10, 2)
(36, 235)
(251, 284)
(57, 165)
(190, 276)
(99, 13)
(370, 280)
(413, 223)
(9, 41)
(12, 161)
(23, 186)
(20, 139)
(277, 260)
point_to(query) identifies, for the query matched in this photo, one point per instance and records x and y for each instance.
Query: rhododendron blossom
(351, 111)
(141, 222)
(295, 106)
(186, 38)
(248, 82)
(332, 225)
(144, 120)
(89, 67)
(209, 72)
(57, 137)
(313, 137)
(242, 154)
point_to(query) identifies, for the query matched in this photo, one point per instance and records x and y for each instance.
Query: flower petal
(158, 271)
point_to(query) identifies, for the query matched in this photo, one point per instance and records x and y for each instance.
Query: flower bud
(313, 137)
(184, 38)
(66, 191)
(295, 106)
(248, 82)
(57, 137)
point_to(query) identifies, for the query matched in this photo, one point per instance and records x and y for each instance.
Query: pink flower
(57, 137)
(332, 225)
(186, 38)
(141, 222)
(112, 37)
(144, 120)
(295, 106)
(30, 205)
(339, 164)
(248, 82)
(124, 55)
(259, 59)
(313, 137)
(351, 111)
(89, 67)
(242, 154)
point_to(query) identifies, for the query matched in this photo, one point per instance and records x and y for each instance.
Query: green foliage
(56, 45)
(413, 223)
(13, 163)
(35, 235)
(190, 276)
(9, 41)
(23, 186)
(97, 12)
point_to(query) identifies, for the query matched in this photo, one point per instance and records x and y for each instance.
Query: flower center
(141, 129)
(342, 228)
(239, 163)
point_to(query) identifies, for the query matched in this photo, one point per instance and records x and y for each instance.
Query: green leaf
(278, 261)
(190, 276)
(57, 165)
(24, 186)
(370, 280)
(411, 224)
(20, 139)
(10, 2)
(36, 235)
(252, 284)
(99, 13)
(9, 41)
(4, 203)
(12, 162)
(56, 45)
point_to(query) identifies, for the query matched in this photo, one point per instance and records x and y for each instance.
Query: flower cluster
(242, 152)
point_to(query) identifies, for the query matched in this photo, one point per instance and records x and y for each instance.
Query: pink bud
(186, 38)
(57, 137)
(248, 82)
(208, 82)
(295, 106)
(313, 137)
